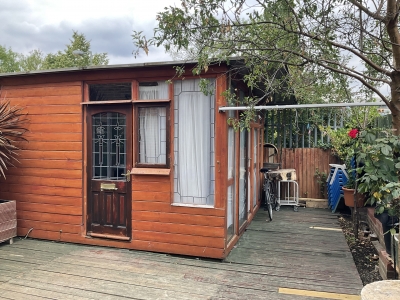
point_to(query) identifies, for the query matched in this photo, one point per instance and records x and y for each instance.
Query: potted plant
(348, 193)
(12, 128)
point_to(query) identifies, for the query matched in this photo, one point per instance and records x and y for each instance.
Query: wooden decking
(296, 256)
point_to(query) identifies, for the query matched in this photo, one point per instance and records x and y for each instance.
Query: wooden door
(109, 164)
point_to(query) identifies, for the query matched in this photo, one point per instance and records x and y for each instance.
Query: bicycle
(269, 187)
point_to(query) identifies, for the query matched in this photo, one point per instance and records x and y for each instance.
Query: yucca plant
(12, 128)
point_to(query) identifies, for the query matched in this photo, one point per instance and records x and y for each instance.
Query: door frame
(88, 110)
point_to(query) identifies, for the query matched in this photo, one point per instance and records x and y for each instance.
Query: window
(155, 90)
(152, 136)
(256, 170)
(152, 125)
(110, 91)
(230, 224)
(194, 168)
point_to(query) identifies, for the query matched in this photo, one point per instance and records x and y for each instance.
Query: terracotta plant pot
(348, 195)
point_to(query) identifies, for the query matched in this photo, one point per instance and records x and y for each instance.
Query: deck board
(285, 253)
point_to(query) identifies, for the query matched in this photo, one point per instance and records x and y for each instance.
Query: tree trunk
(394, 107)
(394, 104)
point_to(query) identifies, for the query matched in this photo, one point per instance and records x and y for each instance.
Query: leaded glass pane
(109, 146)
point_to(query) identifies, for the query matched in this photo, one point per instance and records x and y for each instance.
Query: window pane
(194, 144)
(153, 90)
(243, 177)
(231, 152)
(230, 211)
(153, 135)
(110, 91)
(256, 172)
(231, 189)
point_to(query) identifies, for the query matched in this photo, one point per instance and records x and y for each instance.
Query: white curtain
(159, 91)
(231, 175)
(255, 167)
(243, 178)
(193, 144)
(152, 135)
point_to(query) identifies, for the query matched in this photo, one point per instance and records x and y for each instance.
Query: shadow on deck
(283, 259)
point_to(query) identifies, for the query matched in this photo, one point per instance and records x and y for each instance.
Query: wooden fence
(308, 162)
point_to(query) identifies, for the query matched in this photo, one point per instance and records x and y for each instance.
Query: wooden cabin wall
(49, 182)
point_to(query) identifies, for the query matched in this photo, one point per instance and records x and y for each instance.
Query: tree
(8, 60)
(351, 42)
(11, 61)
(31, 62)
(67, 59)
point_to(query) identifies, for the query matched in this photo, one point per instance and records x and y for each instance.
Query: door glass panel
(109, 146)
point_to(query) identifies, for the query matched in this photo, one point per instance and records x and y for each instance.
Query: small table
(381, 290)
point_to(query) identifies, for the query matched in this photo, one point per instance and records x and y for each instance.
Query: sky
(108, 24)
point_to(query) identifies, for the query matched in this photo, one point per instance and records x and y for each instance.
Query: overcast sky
(48, 25)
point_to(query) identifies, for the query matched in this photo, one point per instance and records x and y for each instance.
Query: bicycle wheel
(270, 211)
(268, 201)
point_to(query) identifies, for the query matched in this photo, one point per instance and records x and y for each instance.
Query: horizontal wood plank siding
(205, 231)
(47, 180)
(157, 222)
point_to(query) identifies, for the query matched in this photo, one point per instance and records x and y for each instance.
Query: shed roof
(120, 66)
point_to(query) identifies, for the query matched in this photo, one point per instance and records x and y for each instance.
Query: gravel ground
(364, 253)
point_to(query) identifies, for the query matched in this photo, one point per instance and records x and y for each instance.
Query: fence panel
(306, 161)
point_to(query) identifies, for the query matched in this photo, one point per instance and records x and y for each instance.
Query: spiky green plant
(12, 127)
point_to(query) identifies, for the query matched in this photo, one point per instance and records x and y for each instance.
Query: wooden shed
(120, 156)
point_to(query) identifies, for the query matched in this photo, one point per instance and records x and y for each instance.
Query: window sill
(151, 101)
(150, 171)
(193, 205)
(106, 102)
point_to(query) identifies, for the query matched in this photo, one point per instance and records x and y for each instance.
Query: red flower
(353, 133)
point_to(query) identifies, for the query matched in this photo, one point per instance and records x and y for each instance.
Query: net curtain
(193, 144)
(152, 125)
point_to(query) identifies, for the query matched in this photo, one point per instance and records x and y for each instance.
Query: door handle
(127, 175)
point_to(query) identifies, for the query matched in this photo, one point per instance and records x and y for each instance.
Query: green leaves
(386, 150)
(379, 161)
(67, 58)
(11, 61)
(370, 137)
